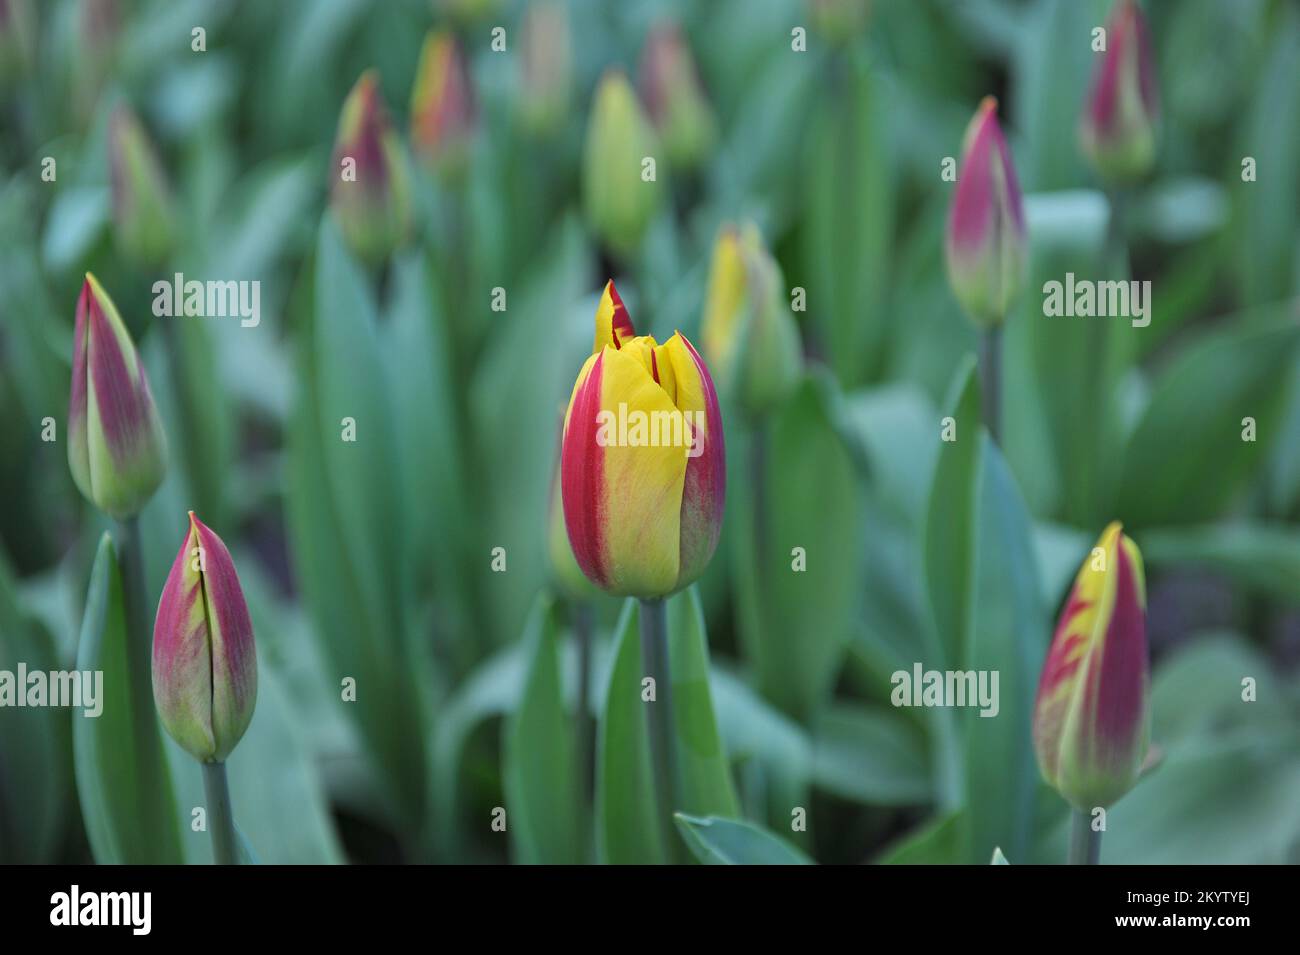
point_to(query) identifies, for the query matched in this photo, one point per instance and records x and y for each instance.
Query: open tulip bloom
(643, 466)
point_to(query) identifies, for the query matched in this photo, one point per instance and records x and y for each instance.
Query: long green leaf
(720, 841)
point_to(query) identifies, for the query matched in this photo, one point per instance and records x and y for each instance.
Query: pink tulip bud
(442, 107)
(204, 661)
(1121, 115)
(985, 243)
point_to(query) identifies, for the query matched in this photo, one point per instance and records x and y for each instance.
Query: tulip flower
(1091, 717)
(749, 334)
(619, 202)
(116, 447)
(204, 662)
(370, 196)
(1120, 116)
(674, 98)
(442, 107)
(985, 242)
(566, 575)
(142, 203)
(546, 67)
(643, 466)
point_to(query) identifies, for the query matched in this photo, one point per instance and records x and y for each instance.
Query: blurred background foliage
(374, 560)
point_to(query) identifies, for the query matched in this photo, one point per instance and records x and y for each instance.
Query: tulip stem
(582, 710)
(221, 822)
(1085, 842)
(139, 664)
(659, 713)
(991, 381)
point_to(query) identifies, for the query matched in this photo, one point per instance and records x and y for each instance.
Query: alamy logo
(242, 300)
(53, 688)
(651, 429)
(1084, 298)
(924, 687)
(102, 908)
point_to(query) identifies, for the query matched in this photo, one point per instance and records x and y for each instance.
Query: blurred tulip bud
(1091, 717)
(985, 244)
(371, 194)
(204, 661)
(643, 466)
(442, 107)
(466, 11)
(17, 39)
(839, 20)
(546, 67)
(116, 447)
(749, 334)
(98, 27)
(142, 204)
(674, 98)
(1120, 117)
(619, 198)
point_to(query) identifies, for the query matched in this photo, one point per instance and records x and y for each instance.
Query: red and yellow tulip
(1120, 117)
(985, 243)
(1091, 716)
(643, 465)
(204, 660)
(117, 450)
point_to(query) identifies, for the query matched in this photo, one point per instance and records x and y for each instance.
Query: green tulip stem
(582, 627)
(221, 822)
(139, 654)
(1085, 842)
(659, 715)
(991, 381)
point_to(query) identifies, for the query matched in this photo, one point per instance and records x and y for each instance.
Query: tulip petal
(182, 662)
(613, 323)
(705, 484)
(582, 472)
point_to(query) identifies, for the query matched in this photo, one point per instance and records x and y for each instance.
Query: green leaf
(35, 747)
(1263, 558)
(998, 857)
(627, 824)
(940, 841)
(849, 218)
(703, 781)
(628, 829)
(1187, 457)
(129, 818)
(950, 522)
(540, 765)
(1009, 637)
(874, 756)
(720, 841)
(811, 502)
(346, 528)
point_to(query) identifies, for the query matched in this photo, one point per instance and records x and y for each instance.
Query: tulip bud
(370, 196)
(442, 107)
(116, 447)
(619, 200)
(675, 100)
(749, 334)
(1091, 717)
(546, 67)
(642, 465)
(17, 39)
(142, 203)
(985, 244)
(839, 20)
(204, 661)
(1118, 127)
